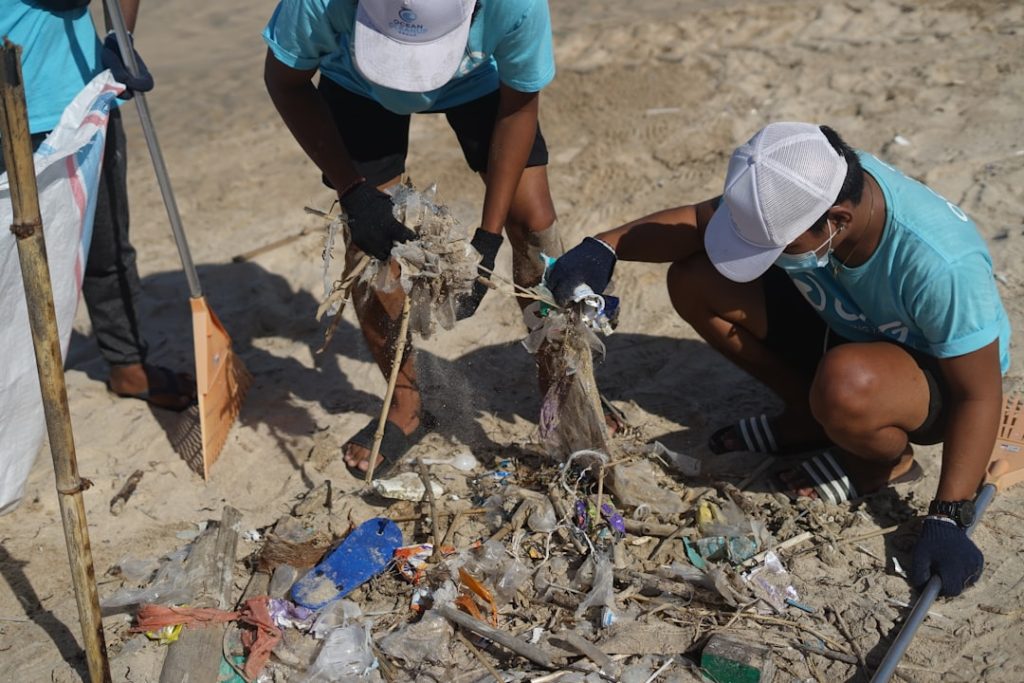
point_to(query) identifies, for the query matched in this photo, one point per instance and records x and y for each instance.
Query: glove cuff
(487, 244)
(603, 244)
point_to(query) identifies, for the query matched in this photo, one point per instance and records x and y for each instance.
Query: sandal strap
(831, 481)
(757, 434)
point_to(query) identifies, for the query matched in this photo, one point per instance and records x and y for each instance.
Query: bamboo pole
(35, 273)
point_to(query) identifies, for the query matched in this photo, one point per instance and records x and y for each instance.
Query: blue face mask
(808, 260)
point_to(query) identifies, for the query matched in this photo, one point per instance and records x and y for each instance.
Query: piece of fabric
(509, 42)
(260, 641)
(60, 54)
(67, 167)
(377, 139)
(928, 286)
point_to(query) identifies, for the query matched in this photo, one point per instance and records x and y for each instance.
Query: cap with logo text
(411, 45)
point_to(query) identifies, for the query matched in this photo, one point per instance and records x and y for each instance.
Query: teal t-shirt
(509, 42)
(60, 54)
(929, 284)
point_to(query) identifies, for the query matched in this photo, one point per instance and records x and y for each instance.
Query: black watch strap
(960, 511)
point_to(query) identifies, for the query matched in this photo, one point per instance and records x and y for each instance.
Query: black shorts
(800, 337)
(378, 139)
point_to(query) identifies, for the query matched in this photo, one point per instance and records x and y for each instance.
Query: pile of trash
(592, 569)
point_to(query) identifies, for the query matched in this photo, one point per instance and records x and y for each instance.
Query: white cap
(779, 183)
(411, 45)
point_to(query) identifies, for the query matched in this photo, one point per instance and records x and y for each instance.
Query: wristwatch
(960, 511)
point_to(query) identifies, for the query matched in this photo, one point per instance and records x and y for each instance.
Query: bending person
(865, 300)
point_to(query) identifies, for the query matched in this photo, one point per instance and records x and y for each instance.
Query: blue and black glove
(944, 549)
(590, 263)
(111, 58)
(372, 222)
(487, 245)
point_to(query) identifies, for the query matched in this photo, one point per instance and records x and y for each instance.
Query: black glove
(590, 263)
(944, 549)
(372, 222)
(487, 245)
(111, 58)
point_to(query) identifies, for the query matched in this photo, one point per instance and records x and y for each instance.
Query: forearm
(976, 404)
(515, 128)
(308, 118)
(664, 237)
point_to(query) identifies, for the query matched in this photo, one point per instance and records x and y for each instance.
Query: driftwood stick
(506, 640)
(435, 556)
(396, 366)
(196, 655)
(480, 656)
(118, 502)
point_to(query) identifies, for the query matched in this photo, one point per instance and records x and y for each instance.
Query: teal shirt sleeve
(958, 309)
(302, 32)
(525, 55)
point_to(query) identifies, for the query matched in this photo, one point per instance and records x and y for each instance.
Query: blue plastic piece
(365, 553)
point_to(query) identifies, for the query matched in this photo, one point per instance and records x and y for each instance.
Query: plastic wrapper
(426, 640)
(405, 486)
(542, 518)
(336, 614)
(636, 484)
(772, 583)
(345, 655)
(437, 268)
(172, 585)
(602, 592)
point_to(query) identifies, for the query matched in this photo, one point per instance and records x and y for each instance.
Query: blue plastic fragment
(364, 553)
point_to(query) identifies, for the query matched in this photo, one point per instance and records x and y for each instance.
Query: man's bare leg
(732, 318)
(379, 314)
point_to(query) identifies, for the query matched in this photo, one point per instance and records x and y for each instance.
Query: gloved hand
(372, 222)
(487, 245)
(590, 263)
(944, 549)
(111, 58)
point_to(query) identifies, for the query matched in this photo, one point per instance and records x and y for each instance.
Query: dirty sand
(649, 100)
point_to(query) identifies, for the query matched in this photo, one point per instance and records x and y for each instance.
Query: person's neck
(866, 230)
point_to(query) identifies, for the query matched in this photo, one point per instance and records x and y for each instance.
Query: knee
(534, 217)
(844, 390)
(686, 282)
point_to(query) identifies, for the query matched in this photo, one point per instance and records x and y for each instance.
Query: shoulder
(508, 15)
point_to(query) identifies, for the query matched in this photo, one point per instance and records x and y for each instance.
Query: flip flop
(364, 554)
(833, 485)
(163, 382)
(393, 446)
(756, 436)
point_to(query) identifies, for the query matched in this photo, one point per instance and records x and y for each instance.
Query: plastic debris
(463, 460)
(405, 486)
(684, 464)
(346, 654)
(286, 614)
(364, 553)
(602, 592)
(728, 659)
(338, 613)
(636, 484)
(772, 583)
(423, 640)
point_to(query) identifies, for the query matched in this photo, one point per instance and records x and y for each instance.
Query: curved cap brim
(733, 256)
(409, 67)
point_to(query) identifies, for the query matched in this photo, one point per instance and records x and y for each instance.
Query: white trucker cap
(779, 183)
(411, 45)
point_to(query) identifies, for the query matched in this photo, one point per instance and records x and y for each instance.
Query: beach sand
(650, 98)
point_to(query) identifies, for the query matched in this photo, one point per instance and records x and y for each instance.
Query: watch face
(966, 513)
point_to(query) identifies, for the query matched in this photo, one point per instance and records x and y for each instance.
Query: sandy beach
(650, 98)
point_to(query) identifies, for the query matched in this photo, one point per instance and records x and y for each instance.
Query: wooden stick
(118, 502)
(276, 244)
(396, 366)
(344, 291)
(435, 556)
(788, 543)
(480, 656)
(845, 630)
(506, 640)
(196, 655)
(35, 274)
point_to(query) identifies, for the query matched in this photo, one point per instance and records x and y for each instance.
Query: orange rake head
(221, 378)
(1006, 467)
